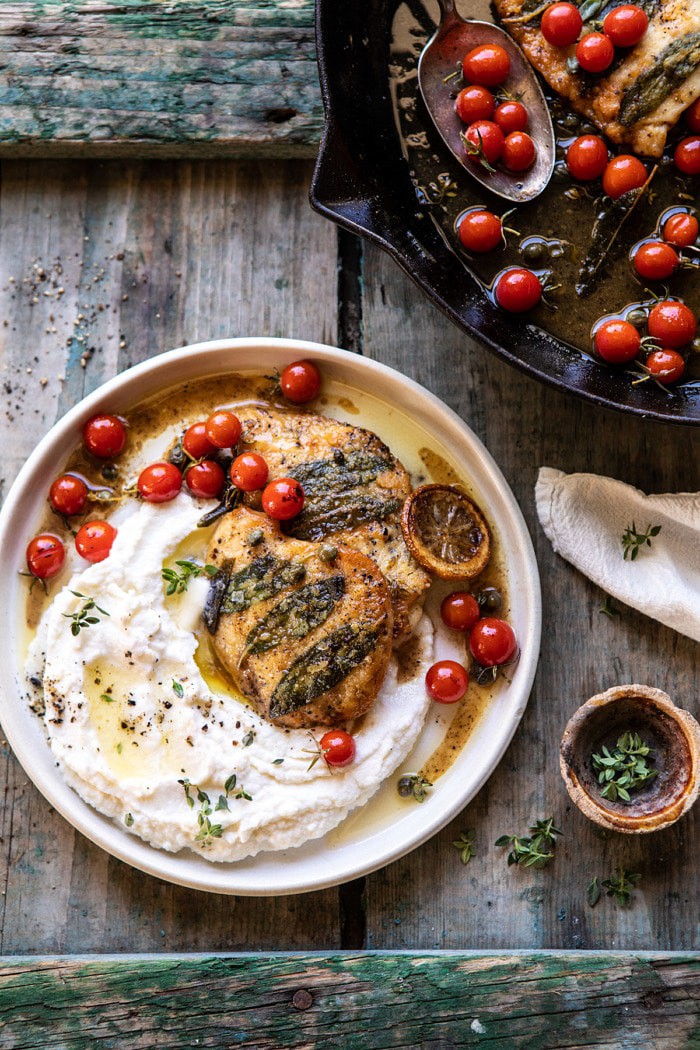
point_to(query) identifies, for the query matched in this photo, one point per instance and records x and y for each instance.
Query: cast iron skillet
(362, 182)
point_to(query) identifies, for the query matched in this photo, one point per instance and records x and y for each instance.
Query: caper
(110, 471)
(405, 786)
(571, 121)
(328, 552)
(637, 317)
(489, 598)
(533, 251)
(254, 537)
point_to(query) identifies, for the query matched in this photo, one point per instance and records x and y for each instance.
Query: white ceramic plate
(387, 827)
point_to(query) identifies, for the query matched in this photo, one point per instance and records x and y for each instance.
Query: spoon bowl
(443, 53)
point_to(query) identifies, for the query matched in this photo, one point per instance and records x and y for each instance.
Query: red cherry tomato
(667, 366)
(594, 52)
(206, 479)
(492, 642)
(300, 382)
(45, 555)
(511, 116)
(587, 157)
(460, 611)
(283, 499)
(159, 482)
(94, 540)
(486, 139)
(474, 103)
(692, 116)
(487, 65)
(518, 151)
(672, 324)
(447, 681)
(68, 495)
(223, 429)
(196, 443)
(480, 231)
(616, 341)
(687, 155)
(622, 174)
(338, 747)
(104, 436)
(681, 229)
(626, 25)
(561, 24)
(518, 290)
(249, 471)
(655, 260)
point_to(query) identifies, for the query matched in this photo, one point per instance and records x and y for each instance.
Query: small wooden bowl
(672, 733)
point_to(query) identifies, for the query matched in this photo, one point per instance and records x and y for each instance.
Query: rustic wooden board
(370, 1001)
(178, 78)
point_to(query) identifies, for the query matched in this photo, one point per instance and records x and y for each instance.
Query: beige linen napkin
(584, 516)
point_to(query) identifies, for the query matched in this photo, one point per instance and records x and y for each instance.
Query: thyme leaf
(625, 769)
(178, 582)
(633, 541)
(465, 844)
(535, 850)
(593, 891)
(621, 885)
(85, 616)
(413, 785)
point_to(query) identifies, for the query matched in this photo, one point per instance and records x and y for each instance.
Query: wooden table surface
(103, 265)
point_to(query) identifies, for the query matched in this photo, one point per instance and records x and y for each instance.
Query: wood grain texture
(370, 1001)
(225, 78)
(102, 266)
(430, 899)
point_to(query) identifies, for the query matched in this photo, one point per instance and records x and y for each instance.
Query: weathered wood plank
(370, 1001)
(107, 265)
(225, 78)
(430, 899)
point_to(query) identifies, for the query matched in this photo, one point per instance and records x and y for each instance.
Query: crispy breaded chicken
(303, 628)
(354, 489)
(648, 86)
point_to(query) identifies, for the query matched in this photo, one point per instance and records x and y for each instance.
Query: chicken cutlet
(304, 630)
(354, 493)
(647, 88)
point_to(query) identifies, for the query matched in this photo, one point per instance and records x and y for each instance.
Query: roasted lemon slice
(446, 532)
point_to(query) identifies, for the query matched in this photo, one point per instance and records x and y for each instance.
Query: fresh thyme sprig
(207, 830)
(633, 541)
(413, 785)
(83, 618)
(179, 581)
(535, 850)
(625, 769)
(465, 845)
(621, 885)
(609, 609)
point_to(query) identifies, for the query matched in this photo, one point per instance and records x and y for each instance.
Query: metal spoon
(439, 59)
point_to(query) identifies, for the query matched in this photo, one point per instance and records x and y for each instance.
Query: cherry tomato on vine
(487, 65)
(300, 382)
(511, 116)
(159, 482)
(45, 555)
(655, 260)
(223, 428)
(594, 52)
(249, 471)
(622, 174)
(681, 229)
(617, 341)
(518, 290)
(561, 24)
(687, 155)
(196, 443)
(486, 140)
(518, 151)
(206, 479)
(460, 611)
(283, 499)
(692, 116)
(94, 540)
(68, 495)
(447, 681)
(492, 642)
(338, 747)
(104, 436)
(666, 366)
(475, 103)
(480, 231)
(587, 157)
(672, 324)
(626, 25)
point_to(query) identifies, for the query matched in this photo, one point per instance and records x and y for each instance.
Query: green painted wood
(373, 1001)
(222, 78)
